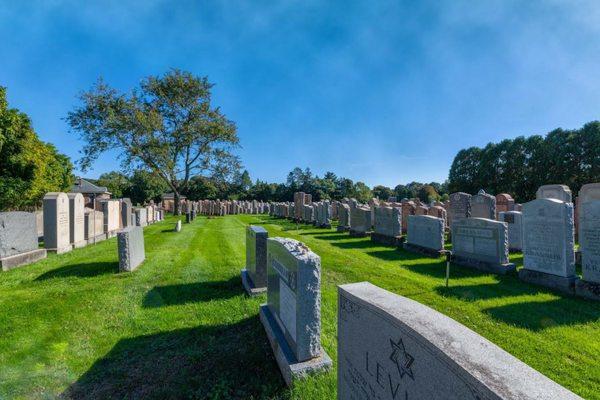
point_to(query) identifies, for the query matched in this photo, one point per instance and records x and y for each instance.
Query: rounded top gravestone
(559, 192)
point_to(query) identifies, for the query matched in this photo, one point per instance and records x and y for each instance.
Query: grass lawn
(181, 326)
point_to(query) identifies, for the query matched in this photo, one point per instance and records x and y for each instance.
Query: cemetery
(333, 200)
(393, 303)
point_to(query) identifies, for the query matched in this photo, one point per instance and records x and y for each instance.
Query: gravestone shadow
(81, 270)
(505, 287)
(540, 315)
(231, 361)
(185, 293)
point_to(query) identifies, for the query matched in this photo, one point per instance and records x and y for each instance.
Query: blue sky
(377, 91)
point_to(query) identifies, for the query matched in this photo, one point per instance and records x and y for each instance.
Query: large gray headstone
(18, 240)
(388, 221)
(76, 220)
(514, 221)
(343, 216)
(425, 231)
(140, 217)
(126, 212)
(483, 205)
(481, 243)
(256, 260)
(393, 348)
(558, 192)
(360, 219)
(56, 222)
(589, 240)
(294, 303)
(548, 237)
(131, 248)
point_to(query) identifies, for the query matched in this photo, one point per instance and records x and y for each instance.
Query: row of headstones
(67, 224)
(389, 347)
(225, 207)
(484, 243)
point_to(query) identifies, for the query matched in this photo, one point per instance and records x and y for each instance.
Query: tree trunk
(177, 205)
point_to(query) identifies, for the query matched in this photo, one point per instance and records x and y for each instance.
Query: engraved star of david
(402, 359)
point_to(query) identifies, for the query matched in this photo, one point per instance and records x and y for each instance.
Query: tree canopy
(29, 168)
(167, 125)
(519, 166)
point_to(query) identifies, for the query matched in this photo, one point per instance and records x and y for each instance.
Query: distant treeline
(519, 166)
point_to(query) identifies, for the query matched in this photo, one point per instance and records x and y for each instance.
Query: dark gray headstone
(254, 277)
(393, 348)
(460, 206)
(131, 248)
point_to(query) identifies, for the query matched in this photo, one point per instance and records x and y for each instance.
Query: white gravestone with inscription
(548, 244)
(292, 314)
(56, 222)
(482, 244)
(393, 348)
(425, 235)
(76, 220)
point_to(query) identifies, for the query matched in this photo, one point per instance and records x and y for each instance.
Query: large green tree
(29, 168)
(167, 125)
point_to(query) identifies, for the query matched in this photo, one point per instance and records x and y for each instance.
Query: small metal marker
(448, 258)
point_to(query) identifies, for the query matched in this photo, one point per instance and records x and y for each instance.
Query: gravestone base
(354, 233)
(326, 226)
(18, 260)
(98, 238)
(80, 244)
(587, 290)
(501, 269)
(560, 283)
(290, 367)
(343, 228)
(249, 285)
(61, 250)
(424, 250)
(395, 241)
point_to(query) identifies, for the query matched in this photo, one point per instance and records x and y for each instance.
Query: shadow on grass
(83, 270)
(540, 315)
(185, 293)
(505, 287)
(219, 362)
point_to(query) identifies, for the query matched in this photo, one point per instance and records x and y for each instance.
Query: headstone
(504, 202)
(140, 217)
(548, 244)
(292, 315)
(254, 276)
(131, 248)
(425, 235)
(408, 208)
(56, 222)
(514, 221)
(459, 207)
(589, 241)
(393, 348)
(481, 244)
(299, 202)
(344, 217)
(126, 213)
(111, 210)
(178, 226)
(483, 205)
(93, 226)
(18, 240)
(558, 192)
(388, 226)
(76, 220)
(360, 221)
